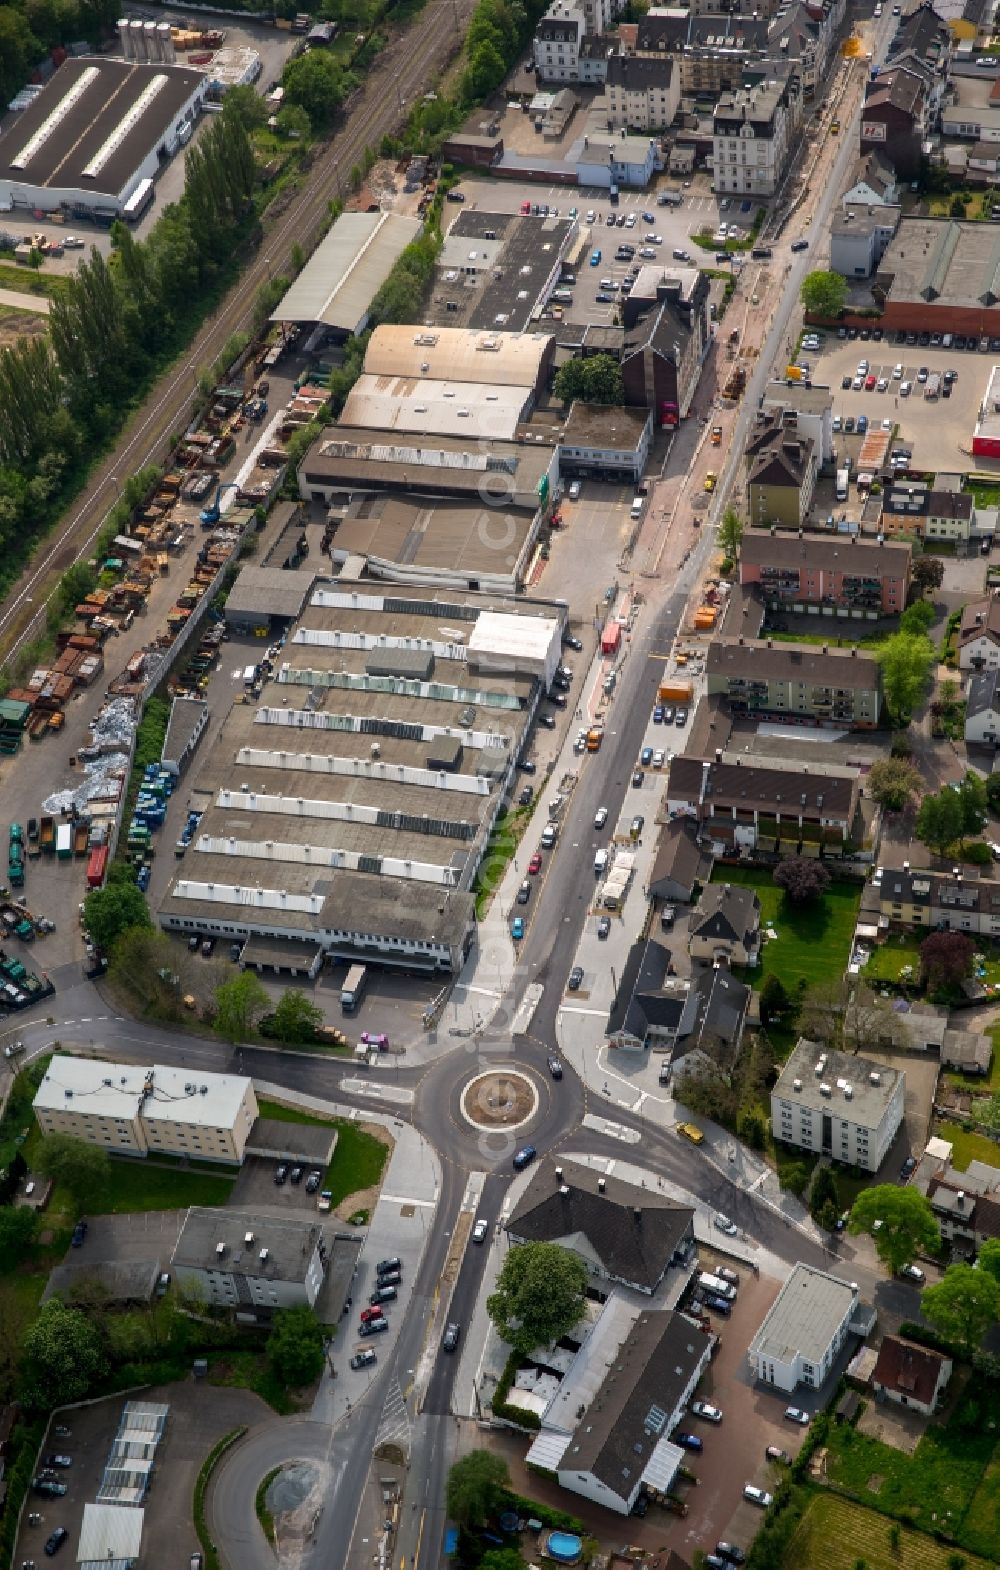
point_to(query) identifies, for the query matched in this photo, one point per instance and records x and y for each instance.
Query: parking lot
(199, 1415)
(939, 431)
(256, 1190)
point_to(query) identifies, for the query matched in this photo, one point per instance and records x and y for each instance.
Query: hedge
(209, 1464)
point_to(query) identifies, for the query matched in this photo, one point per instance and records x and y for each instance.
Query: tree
(316, 83)
(730, 532)
(295, 1018)
(83, 1169)
(479, 1482)
(63, 1357)
(905, 659)
(597, 379)
(917, 618)
(295, 1346)
(18, 1225)
(239, 1003)
(293, 122)
(926, 573)
(539, 1295)
(503, 1559)
(824, 293)
(803, 878)
(110, 911)
(946, 960)
(974, 800)
(774, 999)
(751, 1127)
(893, 783)
(900, 1222)
(963, 1305)
(824, 1197)
(247, 105)
(993, 794)
(939, 820)
(484, 73)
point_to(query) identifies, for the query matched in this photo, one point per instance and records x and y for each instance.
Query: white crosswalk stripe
(394, 1424)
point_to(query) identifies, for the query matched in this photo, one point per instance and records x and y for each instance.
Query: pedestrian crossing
(394, 1425)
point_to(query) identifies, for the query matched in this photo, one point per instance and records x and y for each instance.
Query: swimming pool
(565, 1546)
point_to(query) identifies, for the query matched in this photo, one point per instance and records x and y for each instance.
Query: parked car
(723, 1224)
(480, 1230)
(795, 1414)
(517, 928)
(295, 1176)
(373, 1327)
(383, 1295)
(732, 1552)
(687, 1441)
(313, 1181)
(524, 893)
(705, 1409)
(757, 1496)
(388, 1267)
(535, 864)
(604, 927)
(526, 797)
(79, 1233)
(55, 1539)
(600, 817)
(57, 1459)
(368, 1315)
(913, 1273)
(719, 1305)
(48, 1488)
(726, 1274)
(775, 1453)
(575, 978)
(365, 1358)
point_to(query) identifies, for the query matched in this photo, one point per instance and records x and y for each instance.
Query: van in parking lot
(716, 1286)
(635, 511)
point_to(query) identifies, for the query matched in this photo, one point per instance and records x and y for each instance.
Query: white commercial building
(838, 1105)
(803, 1331)
(137, 1111)
(248, 1264)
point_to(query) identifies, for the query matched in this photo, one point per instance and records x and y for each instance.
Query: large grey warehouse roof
(270, 591)
(94, 124)
(342, 277)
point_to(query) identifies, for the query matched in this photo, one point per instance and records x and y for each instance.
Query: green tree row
(62, 396)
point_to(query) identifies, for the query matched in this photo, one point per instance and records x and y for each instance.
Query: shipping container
(64, 841)
(97, 866)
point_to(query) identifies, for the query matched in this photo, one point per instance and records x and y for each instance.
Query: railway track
(408, 66)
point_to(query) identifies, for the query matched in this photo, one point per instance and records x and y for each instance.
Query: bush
(978, 853)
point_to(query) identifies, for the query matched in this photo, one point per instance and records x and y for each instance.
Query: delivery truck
(353, 989)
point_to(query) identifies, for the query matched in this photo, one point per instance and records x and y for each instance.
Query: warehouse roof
(498, 473)
(456, 354)
(110, 1532)
(346, 271)
(270, 591)
(94, 123)
(609, 429)
(939, 259)
(429, 407)
(452, 536)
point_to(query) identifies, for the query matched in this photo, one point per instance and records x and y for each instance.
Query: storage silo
(125, 36)
(167, 52)
(152, 41)
(138, 32)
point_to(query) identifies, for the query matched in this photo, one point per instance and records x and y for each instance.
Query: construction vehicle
(211, 514)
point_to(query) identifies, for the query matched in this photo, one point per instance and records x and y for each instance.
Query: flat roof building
(147, 1111)
(250, 1264)
(607, 441)
(944, 272)
(803, 1330)
(496, 270)
(838, 1105)
(96, 130)
(350, 808)
(342, 277)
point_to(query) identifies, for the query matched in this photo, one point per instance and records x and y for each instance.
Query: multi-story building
(928, 514)
(979, 635)
(782, 465)
(642, 94)
(136, 1111)
(894, 120)
(860, 236)
(667, 335)
(812, 408)
(250, 1264)
(751, 131)
(611, 158)
(773, 806)
(709, 51)
(557, 42)
(910, 1375)
(841, 687)
(915, 898)
(804, 1330)
(982, 708)
(607, 442)
(847, 577)
(838, 1105)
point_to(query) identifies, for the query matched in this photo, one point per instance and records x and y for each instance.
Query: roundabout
(501, 1100)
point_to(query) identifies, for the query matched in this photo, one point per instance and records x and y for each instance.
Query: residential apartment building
(751, 135)
(607, 442)
(250, 1264)
(667, 335)
(838, 1105)
(982, 708)
(979, 635)
(782, 466)
(927, 514)
(841, 687)
(812, 408)
(565, 50)
(845, 577)
(860, 236)
(804, 1330)
(966, 1207)
(709, 50)
(641, 94)
(770, 806)
(915, 898)
(612, 158)
(875, 183)
(147, 1111)
(894, 120)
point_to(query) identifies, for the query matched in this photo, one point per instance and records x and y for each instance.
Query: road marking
(485, 992)
(404, 1199)
(570, 1008)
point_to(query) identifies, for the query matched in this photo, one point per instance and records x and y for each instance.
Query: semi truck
(353, 989)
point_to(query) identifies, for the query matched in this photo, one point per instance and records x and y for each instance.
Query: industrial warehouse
(336, 287)
(349, 809)
(92, 141)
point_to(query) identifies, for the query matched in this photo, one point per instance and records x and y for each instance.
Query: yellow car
(711, 481)
(692, 1132)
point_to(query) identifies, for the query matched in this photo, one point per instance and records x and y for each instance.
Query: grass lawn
(500, 851)
(889, 958)
(25, 280)
(969, 1146)
(359, 1159)
(135, 1185)
(813, 943)
(835, 1533)
(249, 1371)
(933, 1488)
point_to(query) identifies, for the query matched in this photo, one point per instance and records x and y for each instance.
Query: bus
(139, 202)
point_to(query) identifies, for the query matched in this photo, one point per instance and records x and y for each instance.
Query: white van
(716, 1286)
(638, 504)
(574, 490)
(600, 863)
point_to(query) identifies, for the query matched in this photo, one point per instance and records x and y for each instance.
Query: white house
(910, 1375)
(838, 1105)
(982, 708)
(803, 1330)
(979, 635)
(252, 1265)
(875, 183)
